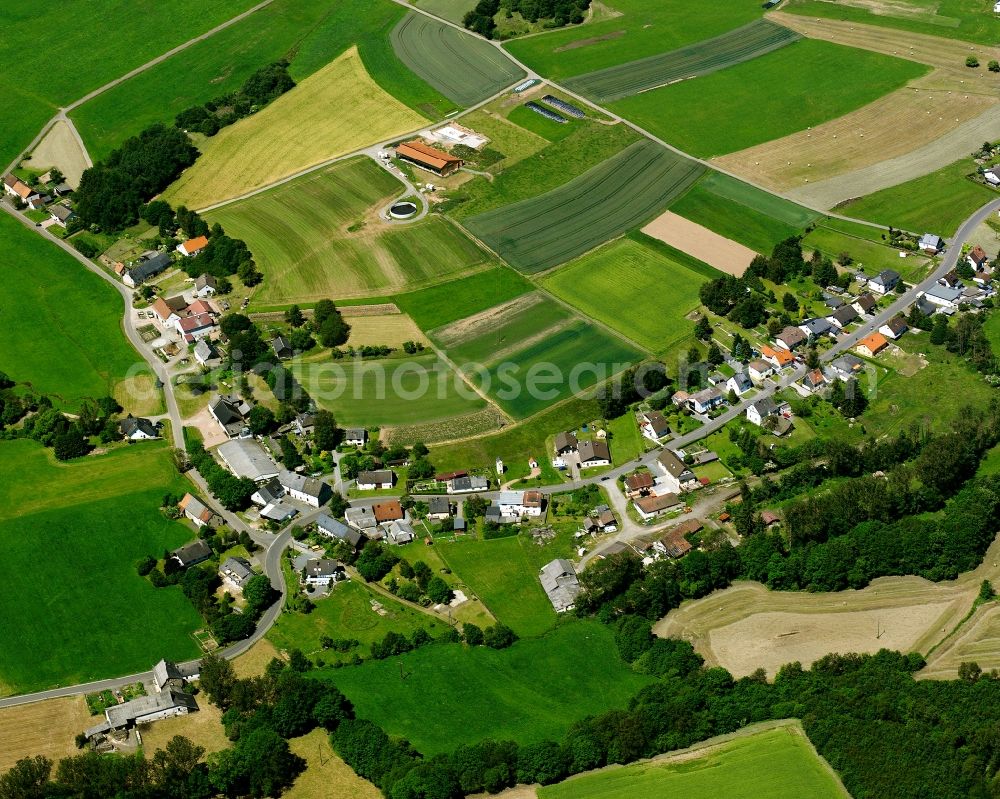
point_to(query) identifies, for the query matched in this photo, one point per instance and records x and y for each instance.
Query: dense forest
(553, 13)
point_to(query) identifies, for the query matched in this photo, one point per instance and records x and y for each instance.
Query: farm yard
(658, 291)
(463, 67)
(641, 28)
(772, 760)
(387, 391)
(699, 242)
(534, 690)
(298, 230)
(91, 520)
(334, 111)
(75, 321)
(606, 201)
(634, 77)
(817, 84)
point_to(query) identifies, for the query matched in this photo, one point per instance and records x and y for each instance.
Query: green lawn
(741, 212)
(347, 613)
(968, 20)
(643, 28)
(69, 318)
(439, 305)
(464, 68)
(868, 255)
(636, 289)
(296, 231)
(612, 198)
(626, 440)
(310, 34)
(774, 764)
(503, 573)
(938, 202)
(804, 84)
(69, 539)
(530, 692)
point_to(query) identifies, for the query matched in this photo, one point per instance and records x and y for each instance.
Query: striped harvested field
(634, 77)
(625, 191)
(464, 68)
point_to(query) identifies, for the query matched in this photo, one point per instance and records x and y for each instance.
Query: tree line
(266, 84)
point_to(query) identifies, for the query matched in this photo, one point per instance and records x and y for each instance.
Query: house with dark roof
(309, 490)
(192, 554)
(268, 493)
(282, 347)
(231, 413)
(205, 352)
(884, 282)
(205, 285)
(136, 428)
(740, 383)
(467, 484)
(150, 263)
(381, 479)
(61, 214)
(235, 572)
(438, 508)
(638, 484)
(565, 442)
(654, 425)
(676, 474)
(355, 436)
(846, 366)
(594, 453)
(790, 338)
(323, 571)
(865, 304)
(843, 316)
(759, 411)
(814, 328)
(895, 327)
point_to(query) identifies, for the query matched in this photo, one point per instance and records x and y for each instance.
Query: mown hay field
(335, 111)
(387, 391)
(701, 243)
(463, 67)
(389, 329)
(633, 77)
(606, 201)
(638, 290)
(42, 728)
(787, 90)
(452, 10)
(61, 149)
(640, 28)
(90, 521)
(532, 691)
(320, 237)
(776, 763)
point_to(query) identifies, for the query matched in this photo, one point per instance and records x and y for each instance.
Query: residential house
(873, 344)
(278, 512)
(381, 479)
(282, 347)
(355, 437)
(603, 521)
(144, 710)
(992, 175)
(135, 428)
(832, 302)
(268, 493)
(331, 528)
(846, 366)
(676, 474)
(167, 676)
(205, 286)
(231, 413)
(759, 370)
(925, 306)
(865, 304)
(149, 264)
(192, 554)
(193, 328)
(430, 158)
(168, 310)
(246, 458)
(740, 383)
(205, 352)
(884, 282)
(195, 510)
(389, 511)
(38, 202)
(895, 327)
(943, 296)
(761, 410)
(814, 380)
(362, 518)
(674, 543)
(438, 508)
(192, 247)
(778, 358)
(706, 400)
(560, 583)
(60, 214)
(399, 532)
(951, 279)
(790, 338)
(814, 328)
(235, 572)
(652, 506)
(15, 187)
(323, 571)
(654, 425)
(565, 442)
(518, 504)
(843, 316)
(466, 485)
(594, 453)
(309, 490)
(770, 518)
(931, 244)
(680, 398)
(638, 484)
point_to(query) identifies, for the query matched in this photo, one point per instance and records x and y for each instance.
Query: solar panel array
(545, 112)
(563, 106)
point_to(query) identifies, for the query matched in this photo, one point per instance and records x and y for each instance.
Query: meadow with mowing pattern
(633, 77)
(439, 305)
(89, 521)
(657, 290)
(319, 237)
(604, 202)
(641, 28)
(72, 319)
(387, 391)
(784, 91)
(464, 68)
(533, 691)
(308, 34)
(770, 764)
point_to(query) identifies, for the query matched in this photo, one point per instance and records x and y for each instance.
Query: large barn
(430, 158)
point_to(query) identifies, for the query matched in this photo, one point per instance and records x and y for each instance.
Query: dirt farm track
(747, 626)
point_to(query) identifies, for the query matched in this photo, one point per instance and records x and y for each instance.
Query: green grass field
(532, 691)
(71, 318)
(387, 391)
(438, 305)
(633, 77)
(548, 129)
(785, 91)
(642, 28)
(938, 202)
(967, 20)
(657, 291)
(741, 212)
(604, 202)
(867, 254)
(296, 231)
(772, 764)
(452, 10)
(309, 34)
(69, 539)
(463, 67)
